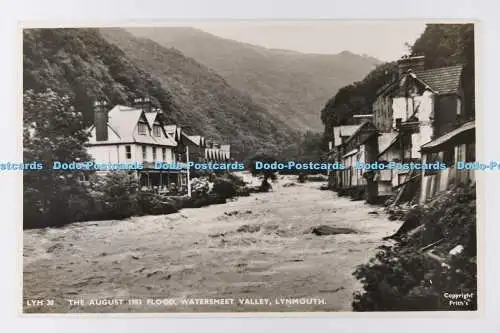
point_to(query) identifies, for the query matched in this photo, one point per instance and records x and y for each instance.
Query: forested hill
(441, 44)
(292, 86)
(84, 65)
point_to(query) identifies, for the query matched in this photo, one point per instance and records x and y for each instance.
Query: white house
(129, 134)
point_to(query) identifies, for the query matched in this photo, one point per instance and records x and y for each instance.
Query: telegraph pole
(187, 166)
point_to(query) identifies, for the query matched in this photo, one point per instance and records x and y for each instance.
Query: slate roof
(443, 80)
(122, 121)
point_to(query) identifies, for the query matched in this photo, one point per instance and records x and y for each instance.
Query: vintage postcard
(249, 167)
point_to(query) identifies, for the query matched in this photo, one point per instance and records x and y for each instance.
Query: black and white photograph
(257, 166)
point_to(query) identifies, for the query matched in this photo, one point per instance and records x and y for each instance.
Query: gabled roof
(386, 87)
(197, 140)
(343, 131)
(385, 140)
(151, 117)
(122, 121)
(443, 80)
(173, 131)
(360, 127)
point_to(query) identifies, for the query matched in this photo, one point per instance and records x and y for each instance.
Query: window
(142, 128)
(154, 153)
(459, 106)
(156, 130)
(144, 153)
(164, 154)
(128, 152)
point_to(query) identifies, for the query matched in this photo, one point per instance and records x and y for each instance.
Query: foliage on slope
(82, 64)
(450, 44)
(405, 276)
(79, 63)
(210, 105)
(291, 85)
(356, 98)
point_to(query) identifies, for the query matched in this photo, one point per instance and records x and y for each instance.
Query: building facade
(139, 134)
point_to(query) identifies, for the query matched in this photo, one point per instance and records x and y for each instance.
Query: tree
(451, 44)
(52, 131)
(268, 174)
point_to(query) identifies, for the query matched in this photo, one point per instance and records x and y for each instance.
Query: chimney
(101, 120)
(143, 103)
(413, 63)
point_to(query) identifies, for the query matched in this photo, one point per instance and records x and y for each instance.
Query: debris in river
(324, 230)
(220, 234)
(54, 247)
(248, 228)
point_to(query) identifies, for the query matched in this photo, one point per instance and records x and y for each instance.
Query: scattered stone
(54, 247)
(332, 290)
(135, 257)
(295, 260)
(373, 212)
(166, 277)
(103, 254)
(248, 212)
(152, 273)
(457, 250)
(221, 234)
(231, 213)
(324, 230)
(289, 184)
(248, 228)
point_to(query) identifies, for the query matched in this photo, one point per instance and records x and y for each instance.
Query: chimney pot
(101, 120)
(407, 63)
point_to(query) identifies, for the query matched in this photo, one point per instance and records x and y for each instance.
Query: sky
(384, 40)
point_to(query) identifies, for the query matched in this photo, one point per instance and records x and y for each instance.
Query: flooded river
(256, 253)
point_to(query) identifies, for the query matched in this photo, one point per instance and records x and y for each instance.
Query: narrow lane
(254, 247)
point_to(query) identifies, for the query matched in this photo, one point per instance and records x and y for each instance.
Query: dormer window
(157, 131)
(142, 129)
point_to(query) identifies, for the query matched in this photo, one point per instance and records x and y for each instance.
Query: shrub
(224, 188)
(117, 193)
(228, 186)
(151, 203)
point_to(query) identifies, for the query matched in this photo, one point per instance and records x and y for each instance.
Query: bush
(228, 186)
(405, 277)
(111, 196)
(224, 188)
(151, 203)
